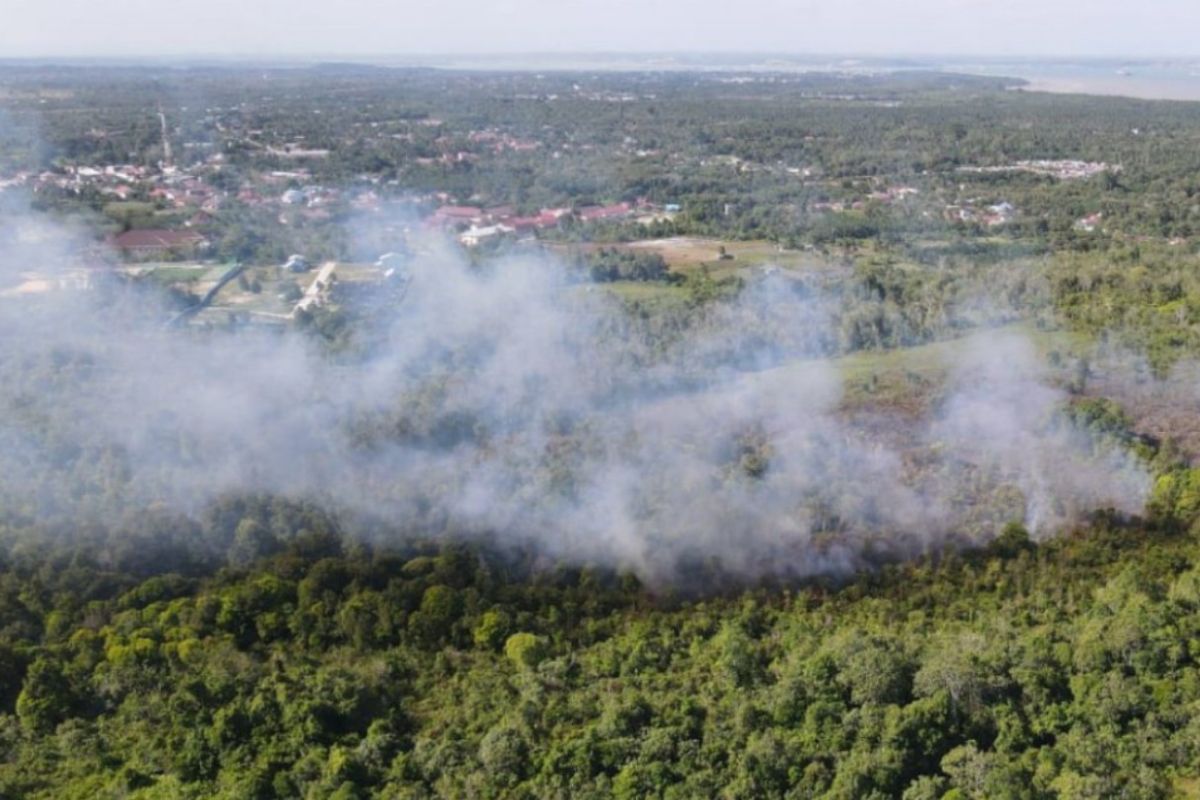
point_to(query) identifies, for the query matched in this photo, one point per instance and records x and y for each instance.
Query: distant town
(284, 185)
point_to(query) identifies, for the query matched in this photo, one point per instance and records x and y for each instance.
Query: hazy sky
(368, 27)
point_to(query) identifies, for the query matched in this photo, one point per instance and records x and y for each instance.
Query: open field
(190, 274)
(911, 379)
(687, 253)
(648, 295)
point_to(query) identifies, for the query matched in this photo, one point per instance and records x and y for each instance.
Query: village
(190, 201)
(185, 257)
(294, 200)
(288, 200)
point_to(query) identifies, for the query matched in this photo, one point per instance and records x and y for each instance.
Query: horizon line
(317, 57)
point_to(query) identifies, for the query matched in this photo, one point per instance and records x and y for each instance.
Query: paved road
(312, 296)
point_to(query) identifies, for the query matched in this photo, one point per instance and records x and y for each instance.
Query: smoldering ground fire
(510, 403)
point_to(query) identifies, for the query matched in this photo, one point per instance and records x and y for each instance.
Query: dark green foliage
(624, 265)
(1065, 669)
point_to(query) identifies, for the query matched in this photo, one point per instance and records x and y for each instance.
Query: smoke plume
(510, 403)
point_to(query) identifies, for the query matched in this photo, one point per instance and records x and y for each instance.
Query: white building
(473, 236)
(296, 263)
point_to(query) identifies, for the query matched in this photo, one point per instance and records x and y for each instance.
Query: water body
(1147, 80)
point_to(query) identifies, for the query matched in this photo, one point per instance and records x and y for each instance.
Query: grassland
(686, 254)
(912, 378)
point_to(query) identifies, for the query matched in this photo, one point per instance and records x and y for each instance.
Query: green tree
(525, 650)
(45, 699)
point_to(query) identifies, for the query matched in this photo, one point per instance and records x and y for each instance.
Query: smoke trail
(507, 402)
(1003, 415)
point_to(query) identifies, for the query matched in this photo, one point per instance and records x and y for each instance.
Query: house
(157, 243)
(999, 214)
(458, 215)
(296, 263)
(473, 236)
(598, 213)
(544, 219)
(499, 213)
(523, 223)
(1089, 223)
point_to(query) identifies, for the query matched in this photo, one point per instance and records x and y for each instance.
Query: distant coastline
(1140, 78)
(1118, 86)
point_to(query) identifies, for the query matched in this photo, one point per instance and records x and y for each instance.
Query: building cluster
(474, 225)
(475, 145)
(886, 196)
(990, 216)
(1060, 169)
(193, 190)
(296, 197)
(499, 142)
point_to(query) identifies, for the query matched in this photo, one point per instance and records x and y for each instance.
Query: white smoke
(507, 402)
(1004, 415)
